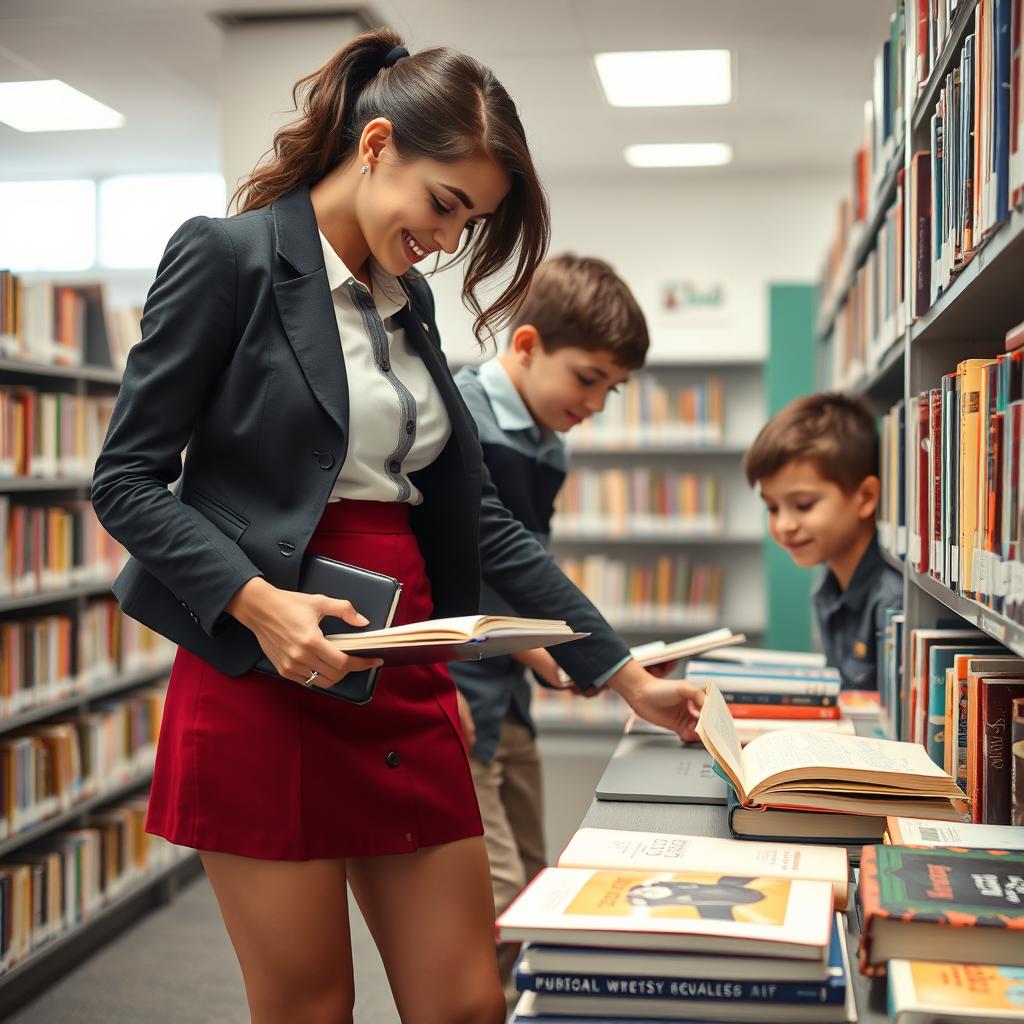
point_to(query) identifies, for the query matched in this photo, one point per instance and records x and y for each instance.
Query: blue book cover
(645, 986)
(940, 659)
(1001, 114)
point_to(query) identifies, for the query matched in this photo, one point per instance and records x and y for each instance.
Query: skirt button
(394, 759)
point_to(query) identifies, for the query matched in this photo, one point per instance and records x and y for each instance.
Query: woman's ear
(377, 136)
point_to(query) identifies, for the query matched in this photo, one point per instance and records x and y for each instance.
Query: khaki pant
(511, 804)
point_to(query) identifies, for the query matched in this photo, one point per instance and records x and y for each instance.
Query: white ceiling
(802, 70)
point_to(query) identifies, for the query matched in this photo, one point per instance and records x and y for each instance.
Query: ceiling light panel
(679, 154)
(666, 78)
(53, 106)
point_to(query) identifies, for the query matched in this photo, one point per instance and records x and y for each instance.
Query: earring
(364, 169)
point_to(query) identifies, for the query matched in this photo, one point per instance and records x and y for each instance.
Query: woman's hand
(287, 625)
(672, 703)
(466, 721)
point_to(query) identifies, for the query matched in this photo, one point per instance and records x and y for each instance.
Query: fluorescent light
(665, 78)
(52, 106)
(48, 225)
(679, 154)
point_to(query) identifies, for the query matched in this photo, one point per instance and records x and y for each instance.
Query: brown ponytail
(441, 104)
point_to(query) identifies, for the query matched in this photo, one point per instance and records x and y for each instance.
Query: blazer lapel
(305, 305)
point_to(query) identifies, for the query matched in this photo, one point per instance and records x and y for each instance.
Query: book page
(459, 628)
(833, 755)
(717, 731)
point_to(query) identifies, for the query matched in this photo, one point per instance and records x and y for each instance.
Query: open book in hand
(658, 652)
(826, 771)
(465, 638)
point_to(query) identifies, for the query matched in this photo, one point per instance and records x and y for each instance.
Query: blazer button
(410, 426)
(394, 759)
(325, 459)
(286, 548)
(395, 466)
(385, 367)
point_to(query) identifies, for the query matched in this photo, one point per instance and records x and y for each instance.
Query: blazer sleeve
(522, 571)
(188, 338)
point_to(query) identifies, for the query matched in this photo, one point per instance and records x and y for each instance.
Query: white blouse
(397, 420)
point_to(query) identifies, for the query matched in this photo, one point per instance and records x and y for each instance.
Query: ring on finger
(312, 678)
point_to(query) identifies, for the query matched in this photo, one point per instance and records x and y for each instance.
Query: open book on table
(465, 638)
(827, 772)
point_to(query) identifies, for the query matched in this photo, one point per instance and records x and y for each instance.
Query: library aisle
(186, 941)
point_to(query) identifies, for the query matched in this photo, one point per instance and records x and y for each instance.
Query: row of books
(962, 697)
(661, 592)
(972, 172)
(51, 546)
(955, 509)
(57, 885)
(45, 659)
(640, 498)
(872, 315)
(47, 434)
(47, 769)
(651, 413)
(879, 149)
(42, 321)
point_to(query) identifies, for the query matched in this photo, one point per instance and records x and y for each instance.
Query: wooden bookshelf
(968, 319)
(94, 377)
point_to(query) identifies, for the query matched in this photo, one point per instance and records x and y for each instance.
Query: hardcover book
(920, 904)
(921, 992)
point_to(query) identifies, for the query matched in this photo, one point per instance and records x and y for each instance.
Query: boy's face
(563, 388)
(814, 519)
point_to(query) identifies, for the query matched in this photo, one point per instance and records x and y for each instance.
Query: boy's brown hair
(580, 302)
(834, 431)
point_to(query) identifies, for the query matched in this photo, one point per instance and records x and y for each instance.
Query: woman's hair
(441, 104)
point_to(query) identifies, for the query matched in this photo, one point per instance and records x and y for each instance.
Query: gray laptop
(660, 769)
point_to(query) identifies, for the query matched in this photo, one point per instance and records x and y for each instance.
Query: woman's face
(411, 209)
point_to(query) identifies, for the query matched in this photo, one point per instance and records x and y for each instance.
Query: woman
(293, 349)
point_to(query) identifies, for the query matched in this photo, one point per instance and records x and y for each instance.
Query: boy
(576, 338)
(816, 465)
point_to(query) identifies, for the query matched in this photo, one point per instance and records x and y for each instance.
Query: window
(47, 225)
(139, 213)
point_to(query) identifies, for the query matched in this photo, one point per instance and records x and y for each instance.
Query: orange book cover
(969, 372)
(782, 711)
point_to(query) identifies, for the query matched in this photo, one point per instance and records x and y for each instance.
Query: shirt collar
(388, 294)
(509, 408)
(861, 584)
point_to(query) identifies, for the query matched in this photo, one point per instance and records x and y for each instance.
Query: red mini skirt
(262, 767)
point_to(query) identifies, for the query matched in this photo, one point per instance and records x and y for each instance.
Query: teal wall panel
(789, 373)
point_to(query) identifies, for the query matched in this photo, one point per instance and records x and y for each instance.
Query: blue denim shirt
(850, 620)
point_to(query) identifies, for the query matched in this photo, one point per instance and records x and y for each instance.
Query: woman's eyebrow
(460, 195)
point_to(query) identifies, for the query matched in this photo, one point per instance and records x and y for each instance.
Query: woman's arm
(188, 338)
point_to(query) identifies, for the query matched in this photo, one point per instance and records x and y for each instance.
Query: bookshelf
(75, 377)
(661, 551)
(967, 319)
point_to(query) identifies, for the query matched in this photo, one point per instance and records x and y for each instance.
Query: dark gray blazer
(240, 360)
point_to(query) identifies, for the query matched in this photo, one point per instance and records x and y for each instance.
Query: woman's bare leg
(431, 914)
(288, 922)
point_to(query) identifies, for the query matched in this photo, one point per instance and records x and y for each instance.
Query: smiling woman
(446, 139)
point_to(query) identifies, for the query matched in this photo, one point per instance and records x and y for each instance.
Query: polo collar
(510, 410)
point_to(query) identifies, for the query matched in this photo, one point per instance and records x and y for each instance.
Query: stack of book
(670, 927)
(823, 787)
(790, 692)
